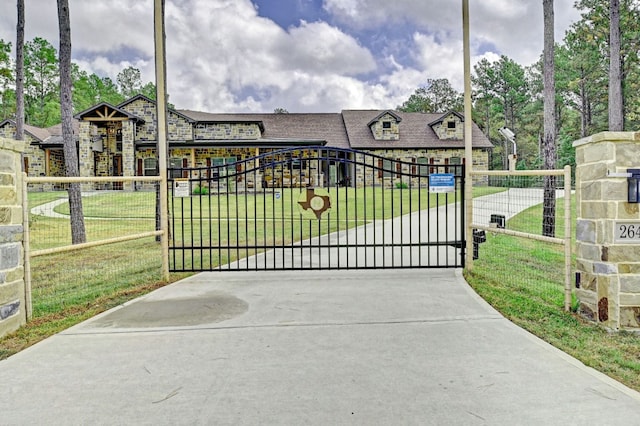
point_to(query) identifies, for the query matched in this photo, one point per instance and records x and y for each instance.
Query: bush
(200, 190)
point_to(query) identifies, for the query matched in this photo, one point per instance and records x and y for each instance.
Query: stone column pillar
(128, 153)
(13, 300)
(608, 230)
(85, 154)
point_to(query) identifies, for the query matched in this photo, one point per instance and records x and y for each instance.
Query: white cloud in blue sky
(302, 55)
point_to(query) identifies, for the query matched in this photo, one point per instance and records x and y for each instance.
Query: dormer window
(385, 126)
(448, 126)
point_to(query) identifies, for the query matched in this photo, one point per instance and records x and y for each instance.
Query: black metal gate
(316, 208)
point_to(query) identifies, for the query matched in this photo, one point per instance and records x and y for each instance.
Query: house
(120, 140)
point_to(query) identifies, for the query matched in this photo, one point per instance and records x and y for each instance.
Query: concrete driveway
(323, 347)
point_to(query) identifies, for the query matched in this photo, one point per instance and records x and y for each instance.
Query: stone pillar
(13, 303)
(128, 153)
(85, 154)
(608, 230)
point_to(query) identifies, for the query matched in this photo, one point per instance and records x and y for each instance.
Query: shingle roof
(415, 132)
(349, 129)
(327, 127)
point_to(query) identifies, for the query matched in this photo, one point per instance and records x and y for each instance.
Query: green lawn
(528, 290)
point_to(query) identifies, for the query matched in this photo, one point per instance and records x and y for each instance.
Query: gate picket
(315, 208)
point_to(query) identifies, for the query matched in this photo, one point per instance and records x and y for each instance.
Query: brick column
(13, 303)
(608, 256)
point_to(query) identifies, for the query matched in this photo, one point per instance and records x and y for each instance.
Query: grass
(534, 301)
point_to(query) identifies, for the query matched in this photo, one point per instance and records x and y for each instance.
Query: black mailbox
(499, 220)
(633, 181)
(479, 236)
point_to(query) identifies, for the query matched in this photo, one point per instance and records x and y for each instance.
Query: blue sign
(442, 182)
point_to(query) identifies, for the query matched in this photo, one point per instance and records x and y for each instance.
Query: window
(386, 124)
(387, 166)
(175, 163)
(423, 168)
(150, 167)
(216, 167)
(451, 125)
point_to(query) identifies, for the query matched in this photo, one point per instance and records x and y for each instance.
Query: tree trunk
(549, 138)
(20, 72)
(66, 112)
(616, 114)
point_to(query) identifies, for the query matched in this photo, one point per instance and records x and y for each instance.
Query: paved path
(375, 347)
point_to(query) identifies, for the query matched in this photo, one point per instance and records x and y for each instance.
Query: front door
(117, 170)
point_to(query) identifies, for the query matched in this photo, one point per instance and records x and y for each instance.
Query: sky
(300, 55)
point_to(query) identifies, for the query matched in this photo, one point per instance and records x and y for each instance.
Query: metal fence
(515, 235)
(122, 245)
(315, 208)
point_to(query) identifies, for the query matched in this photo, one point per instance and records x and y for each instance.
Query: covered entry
(316, 208)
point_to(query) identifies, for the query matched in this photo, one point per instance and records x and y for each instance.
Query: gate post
(608, 230)
(13, 296)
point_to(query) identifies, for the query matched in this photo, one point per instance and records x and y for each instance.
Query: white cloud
(512, 27)
(222, 56)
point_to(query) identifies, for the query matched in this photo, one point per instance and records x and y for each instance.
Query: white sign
(181, 188)
(442, 182)
(627, 232)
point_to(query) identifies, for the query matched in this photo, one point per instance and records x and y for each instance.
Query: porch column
(85, 154)
(128, 153)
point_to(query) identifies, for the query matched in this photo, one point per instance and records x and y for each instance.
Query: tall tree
(90, 89)
(6, 78)
(129, 82)
(78, 234)
(20, 72)
(549, 139)
(502, 91)
(41, 83)
(616, 108)
(436, 96)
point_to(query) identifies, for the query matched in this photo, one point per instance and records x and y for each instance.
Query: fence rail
(124, 220)
(520, 195)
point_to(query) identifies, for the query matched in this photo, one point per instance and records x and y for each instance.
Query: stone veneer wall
(444, 132)
(227, 131)
(608, 271)
(438, 156)
(13, 305)
(382, 134)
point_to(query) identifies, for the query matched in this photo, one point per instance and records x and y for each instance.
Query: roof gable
(382, 114)
(106, 112)
(37, 133)
(444, 116)
(153, 102)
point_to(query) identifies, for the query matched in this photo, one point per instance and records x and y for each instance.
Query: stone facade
(13, 303)
(386, 128)
(608, 261)
(450, 127)
(208, 131)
